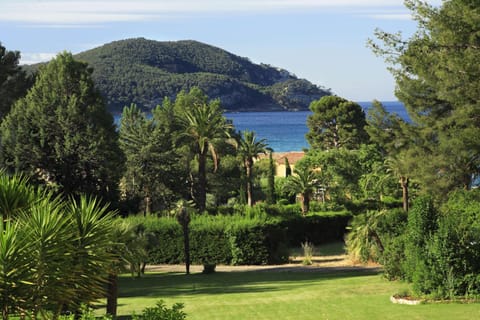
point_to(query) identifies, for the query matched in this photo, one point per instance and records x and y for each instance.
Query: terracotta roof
(292, 156)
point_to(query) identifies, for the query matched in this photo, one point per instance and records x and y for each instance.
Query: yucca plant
(14, 269)
(49, 234)
(90, 258)
(15, 194)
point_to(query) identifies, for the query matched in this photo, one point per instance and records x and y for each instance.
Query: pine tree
(336, 123)
(437, 77)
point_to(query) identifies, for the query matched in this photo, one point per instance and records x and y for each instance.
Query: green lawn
(281, 295)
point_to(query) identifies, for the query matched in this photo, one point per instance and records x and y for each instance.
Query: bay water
(285, 130)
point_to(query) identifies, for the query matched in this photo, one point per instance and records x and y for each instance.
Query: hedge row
(239, 240)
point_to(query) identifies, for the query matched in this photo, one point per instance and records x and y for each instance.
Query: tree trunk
(112, 294)
(148, 205)
(186, 246)
(202, 182)
(404, 183)
(305, 203)
(248, 171)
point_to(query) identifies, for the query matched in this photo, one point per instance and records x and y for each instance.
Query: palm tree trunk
(404, 183)
(248, 170)
(112, 294)
(202, 182)
(305, 204)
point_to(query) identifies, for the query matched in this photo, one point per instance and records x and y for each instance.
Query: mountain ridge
(144, 72)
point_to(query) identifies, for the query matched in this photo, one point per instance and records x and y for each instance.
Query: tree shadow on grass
(175, 284)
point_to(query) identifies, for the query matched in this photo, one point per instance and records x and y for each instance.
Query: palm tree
(304, 182)
(203, 127)
(248, 150)
(399, 167)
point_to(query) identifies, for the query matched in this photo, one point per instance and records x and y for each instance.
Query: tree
(203, 127)
(61, 134)
(436, 72)
(271, 180)
(336, 123)
(304, 182)
(13, 81)
(248, 150)
(152, 170)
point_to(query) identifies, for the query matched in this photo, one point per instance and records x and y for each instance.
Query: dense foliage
(144, 72)
(61, 133)
(48, 243)
(436, 71)
(13, 81)
(249, 235)
(336, 123)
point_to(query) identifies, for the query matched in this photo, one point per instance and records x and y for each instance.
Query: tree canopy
(61, 133)
(336, 123)
(13, 81)
(436, 71)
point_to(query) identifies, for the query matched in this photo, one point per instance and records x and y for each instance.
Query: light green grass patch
(282, 295)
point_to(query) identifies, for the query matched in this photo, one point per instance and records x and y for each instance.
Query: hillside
(145, 71)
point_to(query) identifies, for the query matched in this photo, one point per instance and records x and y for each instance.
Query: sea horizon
(284, 131)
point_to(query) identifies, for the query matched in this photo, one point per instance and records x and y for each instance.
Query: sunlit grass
(282, 295)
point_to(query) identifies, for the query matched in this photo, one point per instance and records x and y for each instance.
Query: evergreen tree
(62, 134)
(152, 170)
(271, 180)
(13, 81)
(336, 123)
(437, 77)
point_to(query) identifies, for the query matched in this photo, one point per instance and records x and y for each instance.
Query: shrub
(247, 243)
(317, 228)
(208, 240)
(307, 253)
(162, 312)
(422, 223)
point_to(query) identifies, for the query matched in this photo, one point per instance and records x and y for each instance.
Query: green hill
(145, 71)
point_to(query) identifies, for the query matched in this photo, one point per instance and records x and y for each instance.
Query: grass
(281, 295)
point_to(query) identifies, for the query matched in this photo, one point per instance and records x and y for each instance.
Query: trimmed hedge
(317, 228)
(256, 239)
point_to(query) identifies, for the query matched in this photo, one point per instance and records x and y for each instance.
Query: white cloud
(78, 12)
(32, 58)
(391, 16)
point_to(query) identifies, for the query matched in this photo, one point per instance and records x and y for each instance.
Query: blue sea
(285, 131)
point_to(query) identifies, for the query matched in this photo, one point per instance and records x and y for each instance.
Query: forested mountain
(145, 71)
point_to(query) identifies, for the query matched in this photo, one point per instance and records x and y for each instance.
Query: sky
(323, 41)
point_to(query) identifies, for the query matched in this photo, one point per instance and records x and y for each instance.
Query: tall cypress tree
(62, 134)
(271, 180)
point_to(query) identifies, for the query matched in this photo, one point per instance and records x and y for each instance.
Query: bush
(208, 240)
(317, 228)
(422, 223)
(451, 262)
(440, 248)
(251, 235)
(247, 243)
(162, 312)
